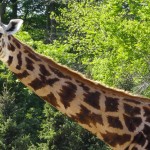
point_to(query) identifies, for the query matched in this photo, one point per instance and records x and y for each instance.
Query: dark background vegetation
(108, 40)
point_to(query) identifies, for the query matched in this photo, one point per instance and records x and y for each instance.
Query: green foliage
(59, 132)
(19, 120)
(8, 126)
(106, 40)
(111, 41)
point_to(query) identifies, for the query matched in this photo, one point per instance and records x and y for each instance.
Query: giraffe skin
(116, 117)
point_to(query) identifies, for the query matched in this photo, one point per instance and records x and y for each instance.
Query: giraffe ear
(13, 26)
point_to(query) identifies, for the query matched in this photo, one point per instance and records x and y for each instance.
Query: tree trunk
(3, 5)
(14, 8)
(51, 22)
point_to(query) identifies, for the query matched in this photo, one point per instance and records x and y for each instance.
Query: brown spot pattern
(11, 47)
(43, 78)
(52, 81)
(22, 75)
(148, 146)
(134, 148)
(113, 138)
(10, 59)
(148, 119)
(67, 93)
(83, 116)
(9, 37)
(51, 99)
(36, 84)
(27, 49)
(17, 43)
(33, 57)
(95, 118)
(132, 101)
(1, 35)
(58, 73)
(3, 43)
(19, 61)
(146, 111)
(111, 104)
(43, 70)
(115, 122)
(140, 139)
(132, 122)
(84, 87)
(131, 110)
(146, 131)
(92, 98)
(29, 64)
(87, 117)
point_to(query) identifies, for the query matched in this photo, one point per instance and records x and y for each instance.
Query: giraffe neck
(113, 116)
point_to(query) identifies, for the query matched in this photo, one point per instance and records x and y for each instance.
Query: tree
(39, 15)
(14, 5)
(19, 122)
(59, 132)
(3, 5)
(106, 40)
(110, 41)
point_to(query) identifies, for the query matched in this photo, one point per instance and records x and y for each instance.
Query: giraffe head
(5, 32)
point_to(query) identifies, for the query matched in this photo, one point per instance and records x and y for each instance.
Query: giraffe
(120, 119)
